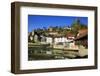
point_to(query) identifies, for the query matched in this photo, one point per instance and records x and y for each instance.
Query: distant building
(42, 38)
(60, 40)
(35, 38)
(31, 38)
(49, 40)
(57, 38)
(67, 27)
(83, 31)
(70, 36)
(82, 41)
(50, 29)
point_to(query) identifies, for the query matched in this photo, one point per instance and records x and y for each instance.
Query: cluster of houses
(55, 38)
(51, 38)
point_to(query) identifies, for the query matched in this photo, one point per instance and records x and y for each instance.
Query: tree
(77, 25)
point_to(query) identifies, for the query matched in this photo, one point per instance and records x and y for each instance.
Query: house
(30, 37)
(42, 38)
(70, 36)
(50, 29)
(82, 38)
(60, 40)
(82, 31)
(49, 40)
(82, 41)
(67, 27)
(54, 38)
(33, 37)
(70, 40)
(50, 36)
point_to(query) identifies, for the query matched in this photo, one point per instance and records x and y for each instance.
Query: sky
(40, 21)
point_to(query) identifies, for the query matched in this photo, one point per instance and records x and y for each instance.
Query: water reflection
(48, 52)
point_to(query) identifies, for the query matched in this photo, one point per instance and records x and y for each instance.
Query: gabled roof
(81, 34)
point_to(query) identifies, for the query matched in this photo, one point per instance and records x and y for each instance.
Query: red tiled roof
(70, 35)
(82, 33)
